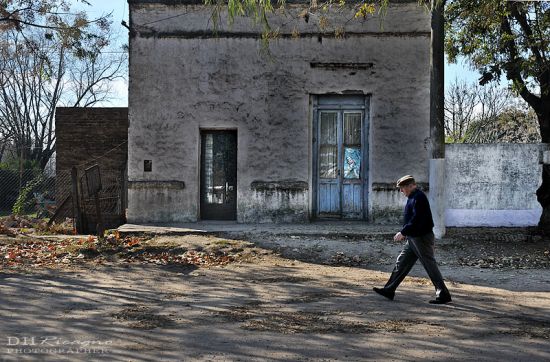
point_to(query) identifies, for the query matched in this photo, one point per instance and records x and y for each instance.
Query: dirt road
(263, 306)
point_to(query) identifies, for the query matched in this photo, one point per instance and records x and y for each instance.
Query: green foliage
(258, 10)
(453, 139)
(25, 201)
(13, 164)
(487, 114)
(501, 37)
(255, 9)
(45, 14)
(365, 10)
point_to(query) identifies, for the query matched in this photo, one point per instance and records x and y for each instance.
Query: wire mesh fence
(61, 191)
(47, 195)
(27, 192)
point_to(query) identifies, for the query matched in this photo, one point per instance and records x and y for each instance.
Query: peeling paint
(277, 206)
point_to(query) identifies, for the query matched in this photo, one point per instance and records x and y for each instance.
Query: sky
(119, 11)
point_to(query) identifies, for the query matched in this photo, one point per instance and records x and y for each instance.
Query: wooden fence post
(100, 229)
(77, 213)
(93, 182)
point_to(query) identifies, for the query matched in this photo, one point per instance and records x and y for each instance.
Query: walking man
(417, 231)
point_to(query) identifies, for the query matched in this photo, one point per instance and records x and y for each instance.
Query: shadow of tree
(275, 309)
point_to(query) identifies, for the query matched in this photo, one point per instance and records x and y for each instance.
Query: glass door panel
(352, 145)
(329, 158)
(328, 155)
(340, 158)
(218, 193)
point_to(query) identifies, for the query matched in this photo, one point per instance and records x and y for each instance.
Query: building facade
(319, 124)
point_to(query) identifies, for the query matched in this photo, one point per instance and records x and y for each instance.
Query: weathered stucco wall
(184, 78)
(493, 184)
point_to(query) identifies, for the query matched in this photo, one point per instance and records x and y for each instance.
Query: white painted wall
(493, 184)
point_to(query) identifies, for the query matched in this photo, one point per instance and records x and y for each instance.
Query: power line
(103, 155)
(167, 18)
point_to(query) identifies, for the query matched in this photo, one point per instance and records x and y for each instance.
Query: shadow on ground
(271, 309)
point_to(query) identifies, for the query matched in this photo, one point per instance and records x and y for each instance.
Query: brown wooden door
(218, 194)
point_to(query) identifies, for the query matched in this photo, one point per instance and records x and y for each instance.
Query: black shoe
(442, 299)
(384, 292)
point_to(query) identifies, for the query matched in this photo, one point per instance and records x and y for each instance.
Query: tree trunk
(2, 150)
(437, 118)
(437, 81)
(45, 158)
(543, 193)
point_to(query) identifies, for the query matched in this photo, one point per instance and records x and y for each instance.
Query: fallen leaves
(11, 255)
(132, 242)
(341, 259)
(30, 252)
(196, 258)
(523, 261)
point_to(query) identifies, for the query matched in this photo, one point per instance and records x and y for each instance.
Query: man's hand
(399, 237)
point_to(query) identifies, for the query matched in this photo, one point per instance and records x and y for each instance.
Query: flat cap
(405, 180)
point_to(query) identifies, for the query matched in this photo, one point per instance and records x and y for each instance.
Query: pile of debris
(14, 225)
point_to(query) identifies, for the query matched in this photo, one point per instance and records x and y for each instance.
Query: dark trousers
(421, 247)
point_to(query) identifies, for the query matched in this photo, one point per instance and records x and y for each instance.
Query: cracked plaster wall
(493, 184)
(182, 81)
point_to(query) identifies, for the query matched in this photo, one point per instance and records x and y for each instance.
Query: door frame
(202, 130)
(340, 103)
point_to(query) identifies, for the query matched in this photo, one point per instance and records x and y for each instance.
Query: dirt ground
(260, 296)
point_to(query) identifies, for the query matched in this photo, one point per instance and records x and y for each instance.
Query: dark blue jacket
(418, 215)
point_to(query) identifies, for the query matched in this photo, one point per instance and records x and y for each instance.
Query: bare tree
(493, 99)
(492, 102)
(516, 123)
(42, 69)
(473, 113)
(3, 144)
(460, 104)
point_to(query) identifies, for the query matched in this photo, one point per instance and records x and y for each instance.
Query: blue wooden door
(340, 156)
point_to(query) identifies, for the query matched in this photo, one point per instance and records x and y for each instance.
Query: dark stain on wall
(280, 186)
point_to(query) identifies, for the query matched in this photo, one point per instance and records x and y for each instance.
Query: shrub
(25, 201)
